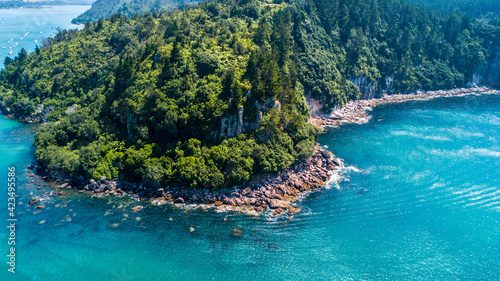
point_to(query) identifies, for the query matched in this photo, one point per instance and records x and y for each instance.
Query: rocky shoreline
(272, 194)
(355, 111)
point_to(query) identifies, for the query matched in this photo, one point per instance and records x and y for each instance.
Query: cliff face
(489, 74)
(373, 89)
(234, 125)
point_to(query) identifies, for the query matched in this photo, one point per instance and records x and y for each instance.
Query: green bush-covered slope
(106, 8)
(213, 94)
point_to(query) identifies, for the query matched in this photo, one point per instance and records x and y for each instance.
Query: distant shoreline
(356, 111)
(40, 6)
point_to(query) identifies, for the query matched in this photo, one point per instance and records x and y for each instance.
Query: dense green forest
(215, 93)
(105, 8)
(473, 8)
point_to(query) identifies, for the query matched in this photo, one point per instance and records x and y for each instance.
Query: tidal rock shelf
(272, 194)
(355, 111)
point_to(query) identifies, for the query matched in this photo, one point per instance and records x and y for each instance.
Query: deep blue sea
(26, 27)
(420, 200)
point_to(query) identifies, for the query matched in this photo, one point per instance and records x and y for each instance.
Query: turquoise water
(420, 201)
(26, 27)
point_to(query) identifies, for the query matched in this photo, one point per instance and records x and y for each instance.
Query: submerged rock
(362, 191)
(236, 232)
(34, 200)
(137, 208)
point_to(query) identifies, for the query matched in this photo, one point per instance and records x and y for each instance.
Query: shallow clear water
(26, 27)
(424, 205)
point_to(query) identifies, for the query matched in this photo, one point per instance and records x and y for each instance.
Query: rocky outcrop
(489, 72)
(367, 88)
(372, 89)
(315, 106)
(232, 126)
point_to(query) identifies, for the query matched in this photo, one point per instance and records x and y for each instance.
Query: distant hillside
(21, 3)
(106, 8)
(472, 8)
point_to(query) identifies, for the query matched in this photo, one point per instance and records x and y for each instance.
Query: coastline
(356, 111)
(272, 194)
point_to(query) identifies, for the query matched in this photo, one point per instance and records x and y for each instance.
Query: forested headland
(207, 96)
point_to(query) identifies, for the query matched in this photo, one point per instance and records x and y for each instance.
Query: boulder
(179, 200)
(236, 232)
(336, 162)
(34, 200)
(238, 201)
(228, 201)
(276, 203)
(137, 208)
(277, 212)
(276, 195)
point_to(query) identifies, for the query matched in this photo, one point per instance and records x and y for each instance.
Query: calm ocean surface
(26, 28)
(420, 201)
